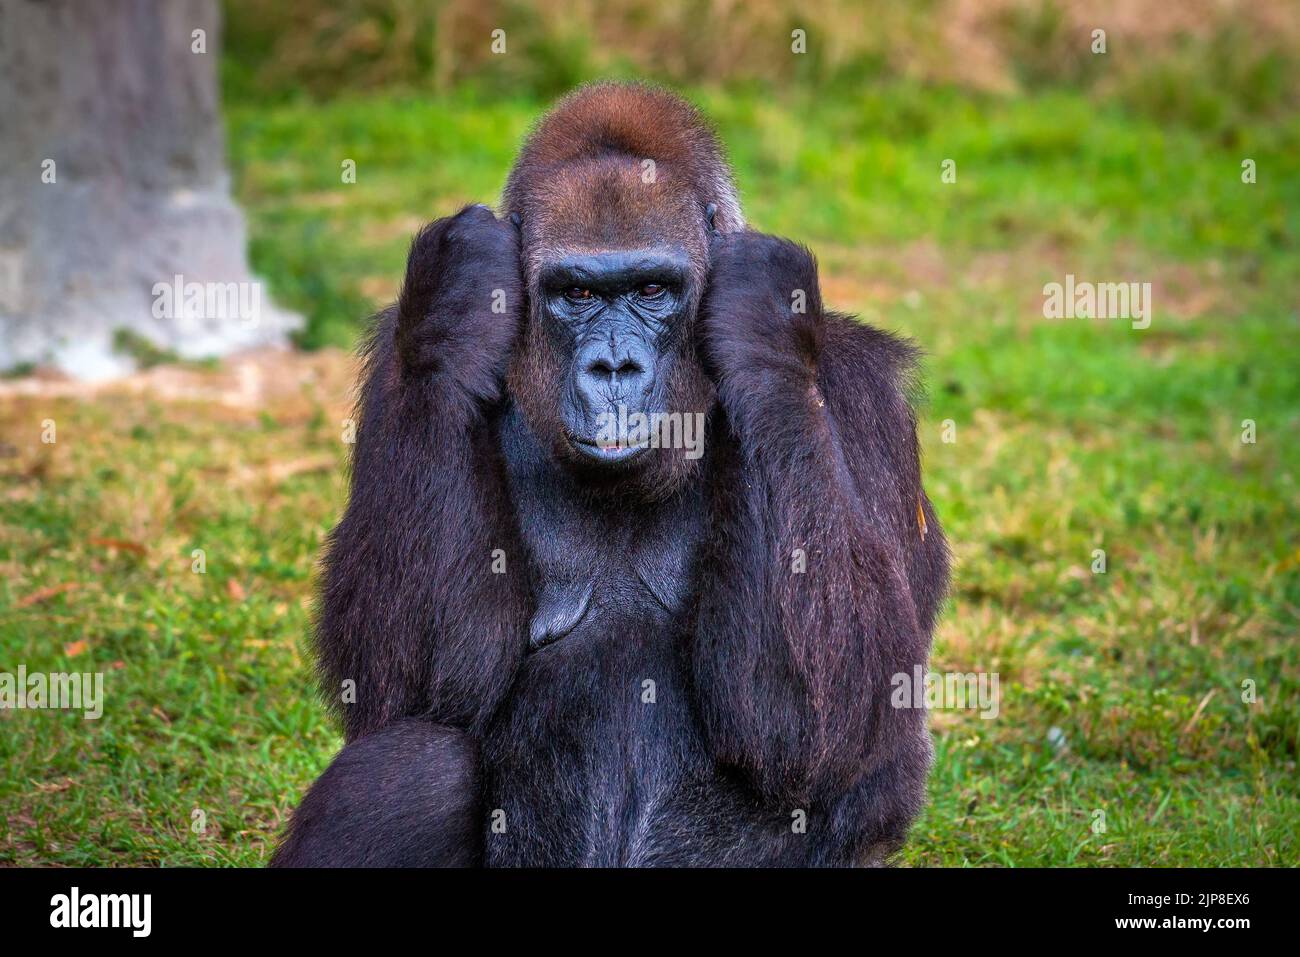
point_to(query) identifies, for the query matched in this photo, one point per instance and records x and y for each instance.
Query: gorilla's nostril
(605, 369)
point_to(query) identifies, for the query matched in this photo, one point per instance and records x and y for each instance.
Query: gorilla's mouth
(605, 451)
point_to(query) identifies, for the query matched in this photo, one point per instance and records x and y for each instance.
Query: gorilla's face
(608, 374)
(616, 317)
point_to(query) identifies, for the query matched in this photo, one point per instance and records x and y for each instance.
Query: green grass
(1121, 692)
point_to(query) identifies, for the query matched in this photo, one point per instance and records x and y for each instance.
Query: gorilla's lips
(604, 450)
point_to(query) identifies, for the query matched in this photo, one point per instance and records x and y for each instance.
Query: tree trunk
(116, 221)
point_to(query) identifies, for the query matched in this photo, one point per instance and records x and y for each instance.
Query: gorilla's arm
(411, 608)
(818, 586)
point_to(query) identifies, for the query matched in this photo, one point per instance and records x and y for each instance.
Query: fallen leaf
(235, 590)
(74, 648)
(120, 544)
(48, 592)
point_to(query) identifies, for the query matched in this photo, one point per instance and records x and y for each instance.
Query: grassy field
(1122, 692)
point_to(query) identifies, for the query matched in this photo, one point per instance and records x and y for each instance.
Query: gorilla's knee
(404, 796)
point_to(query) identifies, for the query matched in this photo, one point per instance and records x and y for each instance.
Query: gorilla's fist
(761, 317)
(462, 302)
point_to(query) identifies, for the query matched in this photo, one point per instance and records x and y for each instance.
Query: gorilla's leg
(406, 795)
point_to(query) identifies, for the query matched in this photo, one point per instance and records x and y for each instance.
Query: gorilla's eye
(651, 290)
(577, 293)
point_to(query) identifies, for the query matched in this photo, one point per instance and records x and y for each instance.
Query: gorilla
(636, 538)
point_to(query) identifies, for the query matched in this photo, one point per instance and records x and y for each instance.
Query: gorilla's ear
(711, 210)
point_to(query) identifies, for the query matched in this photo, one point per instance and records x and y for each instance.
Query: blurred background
(1122, 502)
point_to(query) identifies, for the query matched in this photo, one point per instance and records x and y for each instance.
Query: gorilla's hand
(462, 303)
(761, 318)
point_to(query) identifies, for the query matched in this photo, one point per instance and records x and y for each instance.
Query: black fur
(688, 697)
(410, 609)
(406, 796)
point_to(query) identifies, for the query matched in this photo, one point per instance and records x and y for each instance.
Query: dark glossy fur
(696, 698)
(368, 812)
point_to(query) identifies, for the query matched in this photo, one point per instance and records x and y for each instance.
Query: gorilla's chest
(598, 743)
(598, 560)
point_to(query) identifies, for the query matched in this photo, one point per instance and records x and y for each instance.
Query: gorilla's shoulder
(869, 361)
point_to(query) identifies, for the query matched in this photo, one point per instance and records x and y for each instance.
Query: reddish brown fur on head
(584, 178)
